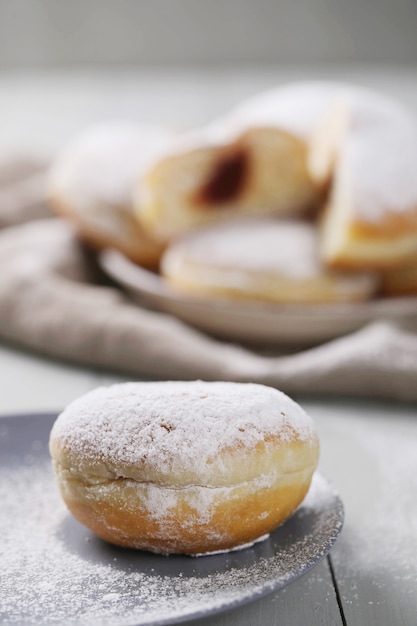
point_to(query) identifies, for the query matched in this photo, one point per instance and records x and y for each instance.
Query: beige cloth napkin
(51, 301)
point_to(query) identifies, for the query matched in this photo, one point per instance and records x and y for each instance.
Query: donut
(252, 161)
(91, 183)
(365, 148)
(291, 149)
(262, 260)
(183, 467)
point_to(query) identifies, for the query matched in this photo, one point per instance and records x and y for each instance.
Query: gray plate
(262, 323)
(55, 571)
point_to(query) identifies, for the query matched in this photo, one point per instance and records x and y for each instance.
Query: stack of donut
(306, 193)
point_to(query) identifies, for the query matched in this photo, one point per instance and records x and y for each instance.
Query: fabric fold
(51, 302)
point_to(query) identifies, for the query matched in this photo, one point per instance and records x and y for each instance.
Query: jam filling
(228, 178)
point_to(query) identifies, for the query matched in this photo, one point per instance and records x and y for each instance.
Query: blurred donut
(91, 183)
(270, 260)
(365, 149)
(251, 161)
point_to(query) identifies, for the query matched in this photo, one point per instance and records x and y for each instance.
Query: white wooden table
(369, 448)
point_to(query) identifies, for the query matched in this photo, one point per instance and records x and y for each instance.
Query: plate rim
(110, 258)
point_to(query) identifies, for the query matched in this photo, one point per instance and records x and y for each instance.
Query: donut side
(269, 260)
(91, 182)
(183, 467)
(364, 149)
(192, 519)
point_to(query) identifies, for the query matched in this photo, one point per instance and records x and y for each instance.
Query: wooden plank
(369, 451)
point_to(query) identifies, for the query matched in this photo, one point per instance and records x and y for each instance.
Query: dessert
(365, 150)
(91, 183)
(183, 467)
(252, 161)
(261, 260)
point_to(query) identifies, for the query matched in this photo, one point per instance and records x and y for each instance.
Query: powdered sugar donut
(183, 467)
(365, 148)
(91, 183)
(265, 260)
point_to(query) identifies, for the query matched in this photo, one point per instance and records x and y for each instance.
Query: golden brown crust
(136, 244)
(392, 224)
(376, 248)
(237, 517)
(401, 281)
(365, 146)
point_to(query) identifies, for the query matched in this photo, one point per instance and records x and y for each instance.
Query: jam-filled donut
(252, 161)
(292, 148)
(261, 260)
(183, 467)
(365, 150)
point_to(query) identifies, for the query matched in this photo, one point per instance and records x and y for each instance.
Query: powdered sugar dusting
(383, 168)
(296, 107)
(384, 537)
(290, 248)
(267, 258)
(286, 248)
(104, 163)
(178, 426)
(381, 145)
(54, 571)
